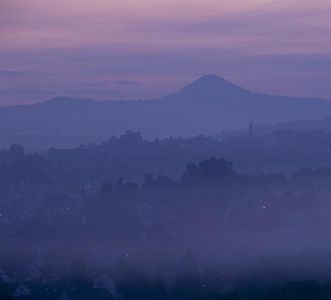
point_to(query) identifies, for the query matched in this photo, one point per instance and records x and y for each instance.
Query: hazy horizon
(217, 187)
(169, 93)
(111, 50)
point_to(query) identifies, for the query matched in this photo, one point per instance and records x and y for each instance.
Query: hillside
(208, 105)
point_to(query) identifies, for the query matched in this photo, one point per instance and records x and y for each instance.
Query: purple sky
(128, 49)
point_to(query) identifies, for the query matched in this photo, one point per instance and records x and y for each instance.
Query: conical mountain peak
(212, 84)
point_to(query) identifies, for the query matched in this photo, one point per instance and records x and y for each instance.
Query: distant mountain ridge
(213, 83)
(209, 105)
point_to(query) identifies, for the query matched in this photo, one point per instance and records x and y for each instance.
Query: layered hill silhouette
(208, 105)
(305, 125)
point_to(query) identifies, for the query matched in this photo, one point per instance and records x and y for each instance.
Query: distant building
(131, 137)
(250, 128)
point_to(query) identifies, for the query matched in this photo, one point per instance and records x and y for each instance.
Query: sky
(140, 49)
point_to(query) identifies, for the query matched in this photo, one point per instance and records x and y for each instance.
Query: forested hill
(131, 156)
